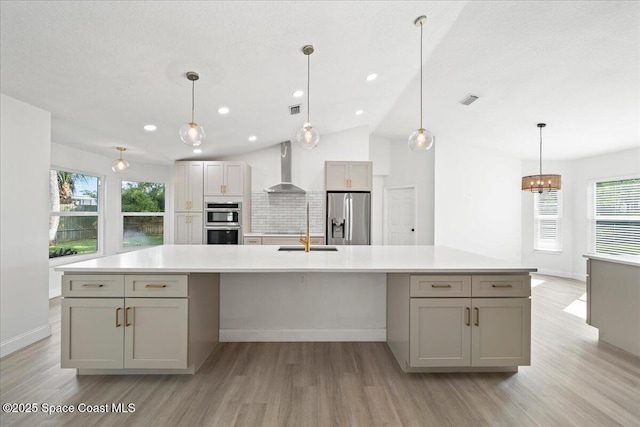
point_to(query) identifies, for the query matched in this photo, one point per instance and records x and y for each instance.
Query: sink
(312, 248)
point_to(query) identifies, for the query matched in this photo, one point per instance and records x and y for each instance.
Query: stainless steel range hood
(285, 185)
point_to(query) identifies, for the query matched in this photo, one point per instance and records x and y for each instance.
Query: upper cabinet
(348, 176)
(188, 181)
(224, 179)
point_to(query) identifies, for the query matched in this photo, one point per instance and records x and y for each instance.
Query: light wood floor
(573, 380)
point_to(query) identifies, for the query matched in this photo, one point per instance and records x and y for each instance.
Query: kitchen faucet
(307, 242)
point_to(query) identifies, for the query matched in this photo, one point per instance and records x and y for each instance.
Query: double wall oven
(223, 223)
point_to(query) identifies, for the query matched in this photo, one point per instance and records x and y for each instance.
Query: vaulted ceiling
(105, 69)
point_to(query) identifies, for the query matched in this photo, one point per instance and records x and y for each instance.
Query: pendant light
(421, 139)
(541, 183)
(192, 133)
(308, 137)
(121, 165)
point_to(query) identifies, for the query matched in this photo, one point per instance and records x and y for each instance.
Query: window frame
(121, 247)
(100, 247)
(593, 218)
(537, 219)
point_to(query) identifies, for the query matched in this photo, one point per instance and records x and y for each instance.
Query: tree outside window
(74, 213)
(142, 213)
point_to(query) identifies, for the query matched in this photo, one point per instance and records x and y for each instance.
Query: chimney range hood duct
(285, 185)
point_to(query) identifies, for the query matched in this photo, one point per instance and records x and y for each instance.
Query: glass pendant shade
(421, 140)
(121, 165)
(308, 137)
(192, 134)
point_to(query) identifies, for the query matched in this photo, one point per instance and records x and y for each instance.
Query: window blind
(547, 221)
(615, 217)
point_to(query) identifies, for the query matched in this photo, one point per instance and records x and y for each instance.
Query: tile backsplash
(286, 212)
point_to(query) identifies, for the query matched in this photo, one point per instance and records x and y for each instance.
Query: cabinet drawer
(501, 286)
(441, 286)
(252, 241)
(159, 286)
(92, 285)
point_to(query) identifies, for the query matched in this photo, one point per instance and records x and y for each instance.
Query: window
(547, 221)
(614, 213)
(74, 213)
(142, 214)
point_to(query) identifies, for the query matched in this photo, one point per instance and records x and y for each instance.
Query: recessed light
(150, 128)
(359, 112)
(252, 138)
(223, 110)
(371, 77)
(298, 93)
(197, 151)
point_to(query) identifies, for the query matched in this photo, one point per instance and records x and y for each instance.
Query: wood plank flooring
(573, 381)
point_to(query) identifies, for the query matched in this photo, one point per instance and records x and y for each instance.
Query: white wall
(415, 168)
(24, 153)
(307, 166)
(547, 262)
(620, 164)
(68, 158)
(380, 155)
(477, 201)
(576, 176)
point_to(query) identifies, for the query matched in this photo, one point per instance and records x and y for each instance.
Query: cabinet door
(181, 185)
(92, 333)
(337, 174)
(188, 185)
(360, 176)
(213, 178)
(439, 332)
(234, 179)
(182, 228)
(196, 184)
(157, 333)
(195, 229)
(501, 333)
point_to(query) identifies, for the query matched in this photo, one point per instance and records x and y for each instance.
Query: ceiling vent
(468, 100)
(294, 109)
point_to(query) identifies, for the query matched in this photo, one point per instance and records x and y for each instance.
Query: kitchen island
(438, 308)
(613, 299)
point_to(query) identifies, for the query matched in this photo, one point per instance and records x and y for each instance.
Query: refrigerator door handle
(350, 208)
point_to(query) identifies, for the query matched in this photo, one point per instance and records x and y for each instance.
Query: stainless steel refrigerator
(348, 218)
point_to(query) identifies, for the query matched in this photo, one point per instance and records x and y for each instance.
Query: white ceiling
(104, 69)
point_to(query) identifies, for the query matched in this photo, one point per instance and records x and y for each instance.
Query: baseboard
(16, 343)
(285, 335)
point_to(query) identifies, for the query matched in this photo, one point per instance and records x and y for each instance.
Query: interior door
(400, 218)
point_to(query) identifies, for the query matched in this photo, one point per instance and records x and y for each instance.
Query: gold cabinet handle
(126, 316)
(154, 286)
(186, 204)
(501, 286)
(92, 285)
(468, 316)
(477, 322)
(118, 317)
(441, 286)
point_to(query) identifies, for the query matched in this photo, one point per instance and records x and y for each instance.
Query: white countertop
(618, 259)
(263, 259)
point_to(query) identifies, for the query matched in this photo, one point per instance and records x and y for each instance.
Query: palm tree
(61, 187)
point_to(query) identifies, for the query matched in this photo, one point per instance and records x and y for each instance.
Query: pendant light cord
(193, 102)
(308, 85)
(420, 75)
(541, 151)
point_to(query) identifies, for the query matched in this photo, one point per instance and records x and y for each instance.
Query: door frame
(385, 211)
